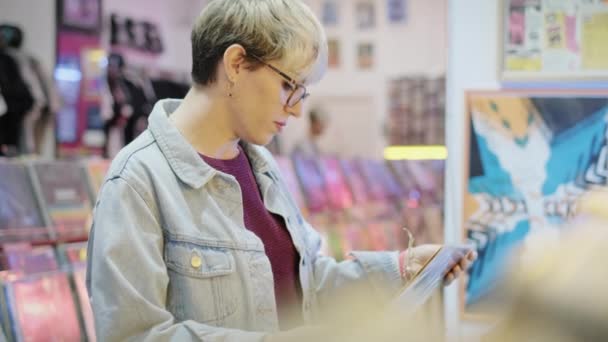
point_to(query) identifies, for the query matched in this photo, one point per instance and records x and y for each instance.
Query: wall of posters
(532, 155)
(554, 39)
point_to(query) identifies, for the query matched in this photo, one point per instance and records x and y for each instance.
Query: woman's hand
(420, 255)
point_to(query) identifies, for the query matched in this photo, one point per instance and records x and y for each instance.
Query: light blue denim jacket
(171, 260)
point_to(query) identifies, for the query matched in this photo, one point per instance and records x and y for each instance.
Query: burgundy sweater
(270, 228)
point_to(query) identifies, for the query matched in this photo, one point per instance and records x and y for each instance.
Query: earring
(231, 84)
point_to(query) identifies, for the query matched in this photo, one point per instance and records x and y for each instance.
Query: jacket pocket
(201, 282)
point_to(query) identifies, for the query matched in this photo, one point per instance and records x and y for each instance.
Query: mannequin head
(10, 36)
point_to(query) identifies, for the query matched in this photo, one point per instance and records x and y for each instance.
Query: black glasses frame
(295, 85)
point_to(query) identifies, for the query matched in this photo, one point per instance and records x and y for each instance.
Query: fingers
(467, 261)
(449, 279)
(456, 271)
(463, 265)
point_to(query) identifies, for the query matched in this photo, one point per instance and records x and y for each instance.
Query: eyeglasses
(298, 90)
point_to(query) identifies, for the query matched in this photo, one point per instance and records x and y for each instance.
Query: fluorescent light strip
(415, 153)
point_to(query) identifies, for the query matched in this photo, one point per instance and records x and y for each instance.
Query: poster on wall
(396, 10)
(134, 34)
(329, 14)
(554, 39)
(365, 15)
(80, 15)
(532, 155)
(333, 46)
(80, 76)
(365, 55)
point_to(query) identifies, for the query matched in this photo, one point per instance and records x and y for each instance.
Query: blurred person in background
(17, 98)
(309, 145)
(194, 235)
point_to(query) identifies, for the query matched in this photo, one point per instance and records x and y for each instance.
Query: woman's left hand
(420, 255)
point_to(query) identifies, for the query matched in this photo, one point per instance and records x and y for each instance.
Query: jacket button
(196, 261)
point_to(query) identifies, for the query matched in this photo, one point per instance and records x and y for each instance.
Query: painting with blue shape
(532, 155)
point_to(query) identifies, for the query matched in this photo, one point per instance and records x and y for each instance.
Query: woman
(195, 236)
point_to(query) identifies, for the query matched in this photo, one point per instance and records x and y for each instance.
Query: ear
(234, 60)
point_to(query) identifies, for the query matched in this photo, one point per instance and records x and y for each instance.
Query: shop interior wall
(415, 47)
(472, 64)
(173, 18)
(37, 20)
(356, 99)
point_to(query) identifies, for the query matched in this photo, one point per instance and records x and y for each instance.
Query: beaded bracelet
(407, 272)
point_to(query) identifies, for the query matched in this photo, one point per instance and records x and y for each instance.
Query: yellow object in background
(415, 153)
(523, 64)
(595, 42)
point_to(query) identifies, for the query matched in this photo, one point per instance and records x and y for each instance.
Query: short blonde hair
(282, 30)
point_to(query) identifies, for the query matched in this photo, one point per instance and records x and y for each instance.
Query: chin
(262, 140)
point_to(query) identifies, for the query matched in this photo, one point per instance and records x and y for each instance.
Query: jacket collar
(185, 162)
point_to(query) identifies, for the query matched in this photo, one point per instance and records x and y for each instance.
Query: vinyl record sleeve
(41, 307)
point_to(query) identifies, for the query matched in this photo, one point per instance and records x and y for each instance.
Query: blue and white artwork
(531, 158)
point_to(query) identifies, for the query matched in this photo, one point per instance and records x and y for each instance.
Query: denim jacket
(171, 260)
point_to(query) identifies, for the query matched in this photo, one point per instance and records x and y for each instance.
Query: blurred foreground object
(562, 294)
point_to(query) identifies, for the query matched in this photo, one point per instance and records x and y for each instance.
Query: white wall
(37, 19)
(416, 47)
(472, 65)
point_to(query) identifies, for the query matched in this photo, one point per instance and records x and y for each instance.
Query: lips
(280, 125)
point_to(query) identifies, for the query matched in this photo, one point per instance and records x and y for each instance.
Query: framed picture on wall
(396, 10)
(553, 40)
(531, 156)
(365, 56)
(329, 12)
(365, 14)
(334, 53)
(80, 15)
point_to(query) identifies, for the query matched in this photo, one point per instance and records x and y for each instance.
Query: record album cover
(64, 191)
(42, 308)
(19, 210)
